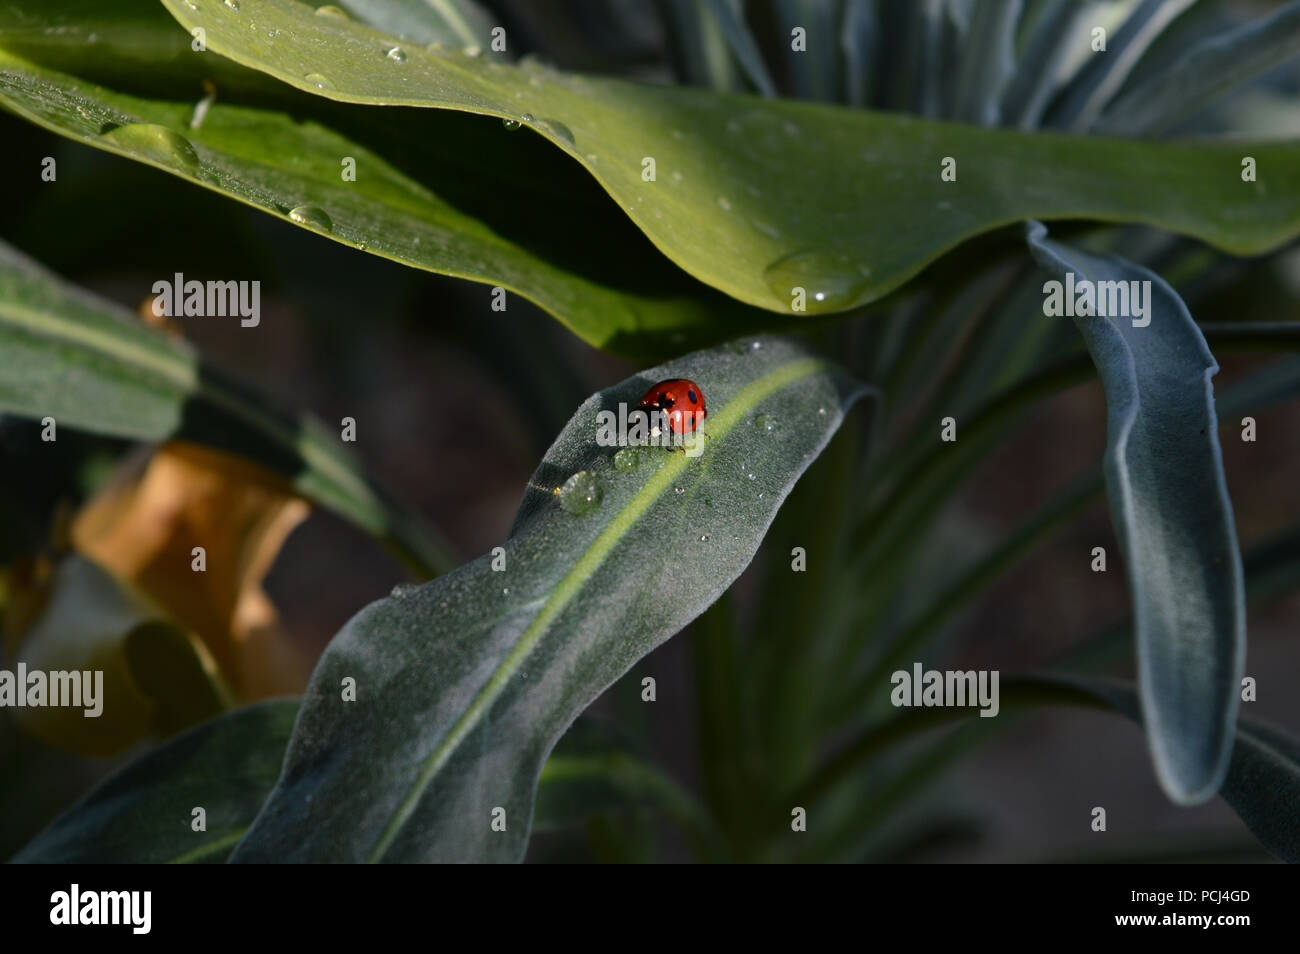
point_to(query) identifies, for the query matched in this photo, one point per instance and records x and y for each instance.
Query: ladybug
(682, 401)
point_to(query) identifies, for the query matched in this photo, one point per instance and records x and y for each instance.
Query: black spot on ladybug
(691, 394)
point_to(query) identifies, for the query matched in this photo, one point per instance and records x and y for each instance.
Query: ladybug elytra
(682, 402)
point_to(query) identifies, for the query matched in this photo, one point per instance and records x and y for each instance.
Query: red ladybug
(682, 401)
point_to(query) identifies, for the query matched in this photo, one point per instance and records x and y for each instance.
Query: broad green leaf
(91, 364)
(464, 684)
(760, 198)
(1172, 516)
(1214, 67)
(1262, 782)
(441, 191)
(143, 812)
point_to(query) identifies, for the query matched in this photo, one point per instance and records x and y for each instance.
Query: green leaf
(142, 813)
(761, 197)
(1211, 69)
(446, 192)
(1173, 518)
(464, 684)
(90, 364)
(1262, 783)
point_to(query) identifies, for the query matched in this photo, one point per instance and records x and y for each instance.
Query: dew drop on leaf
(627, 459)
(830, 282)
(580, 493)
(155, 142)
(319, 81)
(396, 54)
(312, 215)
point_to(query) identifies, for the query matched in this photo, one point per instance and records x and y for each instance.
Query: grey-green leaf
(463, 685)
(1103, 75)
(460, 23)
(1170, 507)
(1262, 782)
(742, 44)
(91, 364)
(143, 812)
(1207, 71)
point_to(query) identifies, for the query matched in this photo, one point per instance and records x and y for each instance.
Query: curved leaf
(143, 812)
(441, 191)
(760, 197)
(1173, 518)
(1262, 783)
(91, 364)
(464, 684)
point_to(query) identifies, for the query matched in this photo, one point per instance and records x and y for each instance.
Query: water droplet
(155, 142)
(473, 51)
(312, 215)
(192, 5)
(766, 422)
(751, 476)
(580, 493)
(821, 411)
(703, 537)
(627, 459)
(233, 4)
(557, 129)
(511, 124)
(756, 346)
(527, 117)
(724, 204)
(679, 490)
(329, 10)
(505, 591)
(396, 54)
(319, 81)
(831, 282)
(402, 590)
